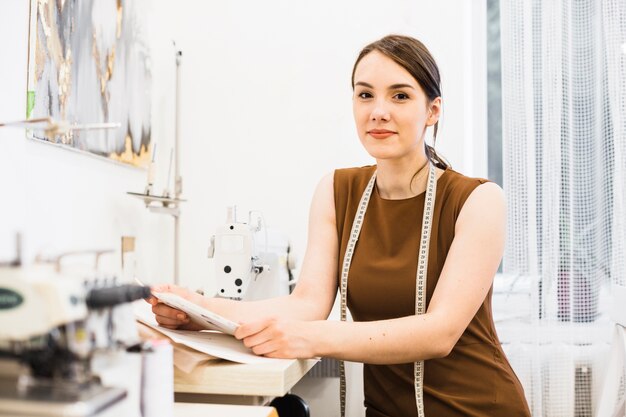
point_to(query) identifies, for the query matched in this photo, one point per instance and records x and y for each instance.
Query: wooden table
(236, 383)
(224, 382)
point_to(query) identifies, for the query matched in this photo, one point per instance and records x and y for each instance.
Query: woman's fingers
(263, 337)
(170, 321)
(257, 339)
(264, 349)
(167, 312)
(248, 329)
(152, 300)
(170, 317)
(161, 309)
(277, 338)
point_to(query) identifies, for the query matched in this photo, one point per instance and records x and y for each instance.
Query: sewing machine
(250, 261)
(52, 326)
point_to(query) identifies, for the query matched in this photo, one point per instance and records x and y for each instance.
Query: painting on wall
(89, 63)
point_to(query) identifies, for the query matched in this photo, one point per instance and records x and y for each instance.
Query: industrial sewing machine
(250, 261)
(53, 324)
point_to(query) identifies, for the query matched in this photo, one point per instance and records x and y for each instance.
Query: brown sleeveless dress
(475, 379)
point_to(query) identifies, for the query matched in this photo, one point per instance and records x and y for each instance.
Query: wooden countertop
(224, 377)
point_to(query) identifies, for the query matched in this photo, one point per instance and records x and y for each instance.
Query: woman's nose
(380, 113)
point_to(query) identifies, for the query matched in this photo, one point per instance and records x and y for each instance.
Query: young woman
(412, 245)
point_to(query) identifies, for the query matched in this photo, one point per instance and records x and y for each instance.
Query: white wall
(266, 112)
(267, 106)
(62, 200)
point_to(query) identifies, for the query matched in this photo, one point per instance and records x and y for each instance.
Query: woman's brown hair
(414, 57)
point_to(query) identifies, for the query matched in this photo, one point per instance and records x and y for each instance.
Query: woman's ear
(434, 111)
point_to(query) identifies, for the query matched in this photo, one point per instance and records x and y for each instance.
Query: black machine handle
(112, 296)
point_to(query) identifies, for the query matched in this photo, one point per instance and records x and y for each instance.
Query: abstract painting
(89, 63)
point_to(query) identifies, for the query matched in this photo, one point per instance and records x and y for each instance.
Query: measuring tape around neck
(420, 282)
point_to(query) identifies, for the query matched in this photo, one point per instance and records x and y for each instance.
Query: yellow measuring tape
(420, 282)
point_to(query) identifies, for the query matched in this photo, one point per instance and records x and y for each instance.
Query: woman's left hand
(278, 338)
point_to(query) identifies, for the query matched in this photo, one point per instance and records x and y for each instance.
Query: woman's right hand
(170, 317)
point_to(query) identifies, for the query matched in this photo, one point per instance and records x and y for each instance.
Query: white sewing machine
(250, 261)
(52, 326)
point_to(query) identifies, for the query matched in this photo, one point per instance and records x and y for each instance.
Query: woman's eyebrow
(396, 86)
(391, 87)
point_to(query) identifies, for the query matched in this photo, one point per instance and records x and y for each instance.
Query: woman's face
(390, 109)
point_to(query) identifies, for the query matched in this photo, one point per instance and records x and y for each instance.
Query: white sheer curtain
(564, 145)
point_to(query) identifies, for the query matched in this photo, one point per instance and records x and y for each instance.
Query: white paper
(185, 358)
(197, 314)
(212, 343)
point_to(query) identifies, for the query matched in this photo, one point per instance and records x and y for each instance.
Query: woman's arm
(464, 282)
(313, 297)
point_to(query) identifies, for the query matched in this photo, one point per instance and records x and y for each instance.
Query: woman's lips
(380, 133)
